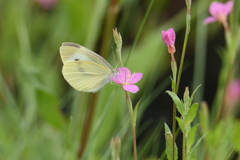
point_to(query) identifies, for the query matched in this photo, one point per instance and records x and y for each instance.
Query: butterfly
(84, 69)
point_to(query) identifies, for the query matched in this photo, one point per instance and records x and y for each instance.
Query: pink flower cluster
(127, 80)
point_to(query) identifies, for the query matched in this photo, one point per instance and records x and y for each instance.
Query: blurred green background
(43, 118)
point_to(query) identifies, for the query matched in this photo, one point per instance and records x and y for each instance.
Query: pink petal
(136, 77)
(124, 71)
(120, 77)
(116, 80)
(215, 8)
(220, 8)
(228, 8)
(131, 88)
(169, 37)
(209, 20)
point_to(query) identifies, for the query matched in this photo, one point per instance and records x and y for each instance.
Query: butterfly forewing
(75, 52)
(86, 76)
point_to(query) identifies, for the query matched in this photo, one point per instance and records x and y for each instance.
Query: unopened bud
(188, 2)
(118, 146)
(204, 117)
(117, 38)
(112, 144)
(186, 95)
(169, 139)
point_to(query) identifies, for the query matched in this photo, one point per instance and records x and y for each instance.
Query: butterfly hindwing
(86, 76)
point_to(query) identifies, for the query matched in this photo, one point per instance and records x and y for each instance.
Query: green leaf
(192, 155)
(169, 144)
(204, 117)
(169, 150)
(191, 137)
(166, 129)
(177, 101)
(180, 123)
(135, 111)
(193, 94)
(48, 109)
(192, 112)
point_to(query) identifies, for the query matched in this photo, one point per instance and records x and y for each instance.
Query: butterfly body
(83, 69)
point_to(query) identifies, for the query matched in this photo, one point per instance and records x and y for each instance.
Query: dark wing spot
(76, 59)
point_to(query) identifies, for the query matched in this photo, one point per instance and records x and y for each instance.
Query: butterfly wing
(74, 52)
(86, 76)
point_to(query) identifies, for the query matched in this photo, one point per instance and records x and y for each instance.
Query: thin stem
(129, 104)
(111, 20)
(67, 139)
(87, 126)
(184, 146)
(140, 30)
(188, 19)
(174, 128)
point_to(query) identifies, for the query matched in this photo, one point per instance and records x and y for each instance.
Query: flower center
(222, 18)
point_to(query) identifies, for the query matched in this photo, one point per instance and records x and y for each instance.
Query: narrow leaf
(48, 109)
(192, 155)
(191, 137)
(135, 111)
(193, 94)
(166, 129)
(204, 117)
(192, 112)
(180, 123)
(177, 101)
(169, 142)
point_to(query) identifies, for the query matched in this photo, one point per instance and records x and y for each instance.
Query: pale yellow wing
(74, 52)
(86, 76)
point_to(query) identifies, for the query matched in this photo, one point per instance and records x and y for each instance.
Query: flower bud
(117, 38)
(186, 95)
(169, 38)
(118, 146)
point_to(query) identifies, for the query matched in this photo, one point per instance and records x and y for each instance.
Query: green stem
(111, 21)
(184, 145)
(67, 139)
(188, 19)
(174, 128)
(140, 30)
(224, 78)
(129, 104)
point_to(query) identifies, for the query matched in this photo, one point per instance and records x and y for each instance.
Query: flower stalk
(133, 123)
(127, 80)
(188, 27)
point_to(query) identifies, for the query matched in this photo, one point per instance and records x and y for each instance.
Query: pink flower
(47, 4)
(232, 93)
(169, 38)
(219, 11)
(127, 80)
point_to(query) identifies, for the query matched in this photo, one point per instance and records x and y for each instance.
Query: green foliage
(192, 112)
(180, 123)
(178, 102)
(48, 109)
(135, 111)
(192, 155)
(169, 144)
(35, 99)
(191, 138)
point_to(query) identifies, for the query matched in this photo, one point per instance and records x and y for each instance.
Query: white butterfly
(83, 69)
